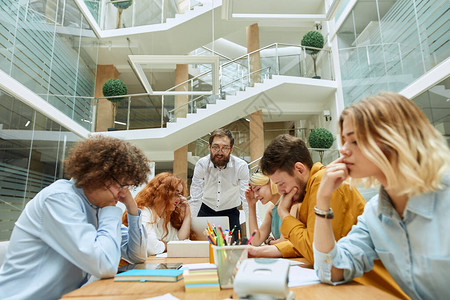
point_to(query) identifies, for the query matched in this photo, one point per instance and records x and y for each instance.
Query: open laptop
(199, 224)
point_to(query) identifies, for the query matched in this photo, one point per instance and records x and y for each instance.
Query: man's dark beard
(220, 162)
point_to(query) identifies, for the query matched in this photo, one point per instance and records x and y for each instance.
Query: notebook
(157, 275)
(199, 224)
(150, 266)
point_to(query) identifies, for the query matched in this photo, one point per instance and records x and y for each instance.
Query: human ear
(298, 166)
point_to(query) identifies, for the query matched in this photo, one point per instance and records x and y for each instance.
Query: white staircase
(279, 95)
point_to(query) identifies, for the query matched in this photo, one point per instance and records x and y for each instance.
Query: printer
(263, 278)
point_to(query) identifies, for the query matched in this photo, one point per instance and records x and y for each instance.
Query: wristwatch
(326, 214)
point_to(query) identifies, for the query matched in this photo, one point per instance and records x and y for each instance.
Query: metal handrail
(240, 57)
(192, 101)
(370, 45)
(216, 53)
(247, 75)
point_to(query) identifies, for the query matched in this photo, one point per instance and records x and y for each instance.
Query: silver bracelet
(327, 214)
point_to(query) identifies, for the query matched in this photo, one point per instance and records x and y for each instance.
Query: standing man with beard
(220, 180)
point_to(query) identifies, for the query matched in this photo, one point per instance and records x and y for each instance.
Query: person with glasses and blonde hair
(261, 188)
(388, 141)
(165, 211)
(72, 229)
(220, 180)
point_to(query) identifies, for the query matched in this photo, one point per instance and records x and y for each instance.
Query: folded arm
(95, 250)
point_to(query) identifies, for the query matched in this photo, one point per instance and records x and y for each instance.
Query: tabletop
(108, 289)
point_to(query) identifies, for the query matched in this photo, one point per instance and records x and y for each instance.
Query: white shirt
(219, 189)
(155, 232)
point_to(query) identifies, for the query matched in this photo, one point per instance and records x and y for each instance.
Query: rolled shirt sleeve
(196, 191)
(134, 240)
(355, 254)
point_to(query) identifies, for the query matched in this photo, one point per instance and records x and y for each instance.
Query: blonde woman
(387, 140)
(261, 188)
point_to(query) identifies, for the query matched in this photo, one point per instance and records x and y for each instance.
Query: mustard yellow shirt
(347, 204)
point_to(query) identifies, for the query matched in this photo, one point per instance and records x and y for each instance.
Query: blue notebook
(157, 275)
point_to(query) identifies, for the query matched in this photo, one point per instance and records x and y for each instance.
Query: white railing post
(94, 115)
(277, 59)
(304, 61)
(162, 111)
(128, 114)
(248, 70)
(162, 11)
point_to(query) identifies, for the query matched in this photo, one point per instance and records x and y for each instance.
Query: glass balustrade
(389, 51)
(113, 14)
(199, 148)
(155, 111)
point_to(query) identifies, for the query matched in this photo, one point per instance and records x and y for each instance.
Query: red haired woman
(165, 211)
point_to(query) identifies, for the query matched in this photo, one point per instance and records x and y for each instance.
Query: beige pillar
(180, 163)
(181, 75)
(252, 45)
(256, 121)
(105, 108)
(180, 155)
(256, 135)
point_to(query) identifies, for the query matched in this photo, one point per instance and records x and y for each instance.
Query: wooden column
(180, 164)
(253, 45)
(256, 121)
(180, 155)
(256, 135)
(105, 108)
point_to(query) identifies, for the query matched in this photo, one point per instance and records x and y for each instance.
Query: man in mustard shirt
(288, 163)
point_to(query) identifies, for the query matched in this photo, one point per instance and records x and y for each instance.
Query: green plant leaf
(313, 39)
(114, 87)
(321, 138)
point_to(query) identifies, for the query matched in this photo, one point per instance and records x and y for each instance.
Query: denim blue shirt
(60, 238)
(415, 250)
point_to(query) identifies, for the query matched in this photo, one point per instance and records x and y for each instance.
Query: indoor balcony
(282, 87)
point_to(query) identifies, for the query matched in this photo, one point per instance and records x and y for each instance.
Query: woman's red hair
(157, 194)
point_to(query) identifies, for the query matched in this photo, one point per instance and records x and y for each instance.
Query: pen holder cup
(228, 260)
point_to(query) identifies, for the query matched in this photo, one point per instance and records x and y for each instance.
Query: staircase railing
(194, 104)
(139, 13)
(140, 111)
(277, 58)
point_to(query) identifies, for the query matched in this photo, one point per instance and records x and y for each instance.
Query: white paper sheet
(299, 276)
(167, 296)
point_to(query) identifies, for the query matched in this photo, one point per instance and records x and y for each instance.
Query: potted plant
(121, 5)
(320, 138)
(114, 87)
(313, 39)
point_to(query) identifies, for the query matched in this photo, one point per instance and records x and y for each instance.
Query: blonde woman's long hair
(397, 137)
(259, 178)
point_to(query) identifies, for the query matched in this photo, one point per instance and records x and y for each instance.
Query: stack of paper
(201, 278)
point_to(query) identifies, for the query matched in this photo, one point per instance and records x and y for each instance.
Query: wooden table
(108, 289)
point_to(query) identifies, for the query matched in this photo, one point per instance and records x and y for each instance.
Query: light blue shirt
(415, 250)
(60, 238)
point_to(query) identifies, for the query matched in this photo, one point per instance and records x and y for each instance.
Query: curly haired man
(72, 228)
